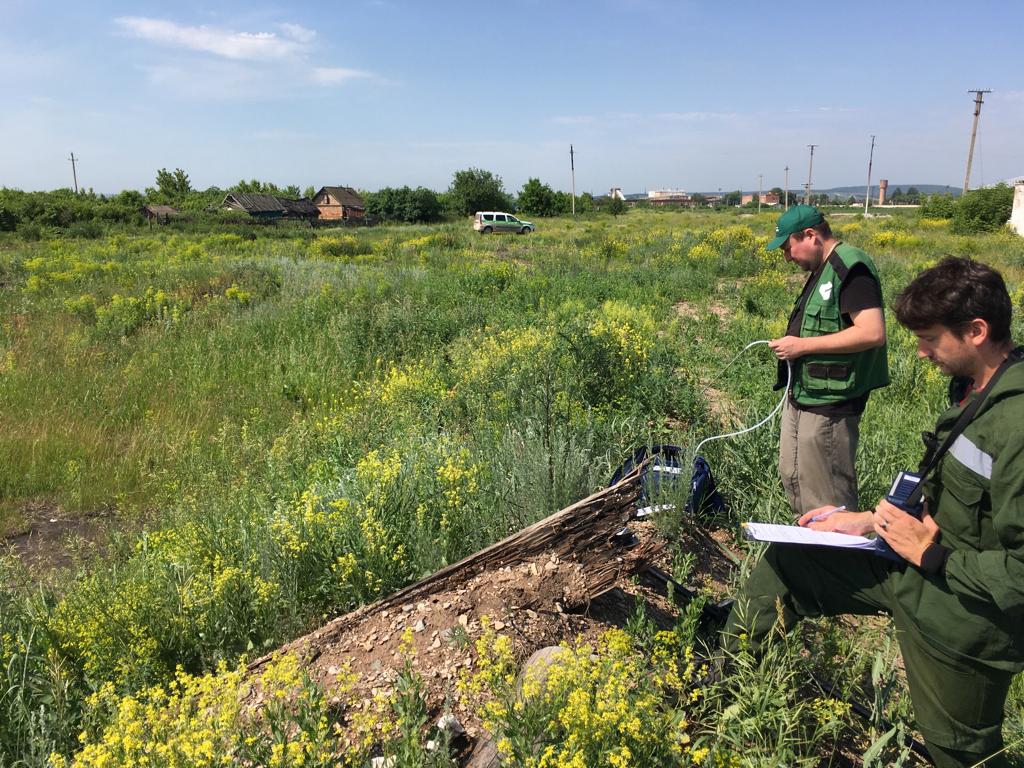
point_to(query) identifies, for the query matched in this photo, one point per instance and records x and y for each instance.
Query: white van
(487, 222)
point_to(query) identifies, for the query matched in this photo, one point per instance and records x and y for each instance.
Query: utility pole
(786, 191)
(74, 173)
(760, 185)
(572, 166)
(979, 97)
(810, 168)
(867, 194)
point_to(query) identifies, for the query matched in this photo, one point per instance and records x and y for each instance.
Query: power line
(979, 99)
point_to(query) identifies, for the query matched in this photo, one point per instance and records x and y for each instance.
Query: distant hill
(924, 189)
(858, 190)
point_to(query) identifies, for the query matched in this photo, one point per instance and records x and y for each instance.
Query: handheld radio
(902, 494)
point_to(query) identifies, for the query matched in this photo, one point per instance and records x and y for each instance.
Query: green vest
(827, 379)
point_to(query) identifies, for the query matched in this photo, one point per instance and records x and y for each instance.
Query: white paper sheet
(794, 534)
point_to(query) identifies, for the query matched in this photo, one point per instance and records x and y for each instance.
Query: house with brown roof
(339, 203)
(269, 207)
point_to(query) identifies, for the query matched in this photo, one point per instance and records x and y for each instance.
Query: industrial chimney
(883, 184)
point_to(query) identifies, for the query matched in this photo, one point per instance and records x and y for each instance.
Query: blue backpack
(665, 473)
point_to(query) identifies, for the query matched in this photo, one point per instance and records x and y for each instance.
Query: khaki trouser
(958, 705)
(817, 459)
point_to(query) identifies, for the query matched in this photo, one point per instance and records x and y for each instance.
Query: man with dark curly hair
(956, 588)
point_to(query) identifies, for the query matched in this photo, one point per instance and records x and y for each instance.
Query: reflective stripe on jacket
(975, 608)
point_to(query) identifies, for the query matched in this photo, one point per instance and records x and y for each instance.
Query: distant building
(339, 203)
(767, 198)
(615, 193)
(161, 214)
(270, 207)
(669, 197)
(1017, 217)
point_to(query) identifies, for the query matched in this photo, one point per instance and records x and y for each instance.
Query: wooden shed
(161, 214)
(339, 203)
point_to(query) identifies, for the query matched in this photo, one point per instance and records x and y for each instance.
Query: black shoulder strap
(837, 264)
(965, 418)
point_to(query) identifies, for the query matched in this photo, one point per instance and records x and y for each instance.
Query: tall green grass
(290, 426)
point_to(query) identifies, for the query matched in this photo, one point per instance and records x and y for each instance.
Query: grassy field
(281, 427)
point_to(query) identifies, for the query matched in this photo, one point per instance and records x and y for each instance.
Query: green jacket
(826, 379)
(974, 607)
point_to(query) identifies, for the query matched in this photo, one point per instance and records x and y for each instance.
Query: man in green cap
(835, 343)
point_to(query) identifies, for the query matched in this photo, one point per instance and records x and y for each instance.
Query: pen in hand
(821, 516)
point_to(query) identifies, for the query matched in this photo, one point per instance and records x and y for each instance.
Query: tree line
(86, 213)
(470, 190)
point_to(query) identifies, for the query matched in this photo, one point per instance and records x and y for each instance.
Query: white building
(1017, 217)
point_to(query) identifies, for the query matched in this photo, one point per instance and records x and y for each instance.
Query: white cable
(766, 419)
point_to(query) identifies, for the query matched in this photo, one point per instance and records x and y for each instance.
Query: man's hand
(788, 347)
(852, 523)
(908, 536)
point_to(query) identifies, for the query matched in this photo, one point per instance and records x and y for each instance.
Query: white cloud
(336, 75)
(231, 45)
(298, 32)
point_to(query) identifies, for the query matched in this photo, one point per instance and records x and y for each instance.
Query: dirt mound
(571, 576)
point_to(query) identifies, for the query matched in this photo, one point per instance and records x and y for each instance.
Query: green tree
(171, 186)
(983, 210)
(938, 207)
(537, 199)
(476, 190)
(257, 187)
(404, 204)
(732, 198)
(584, 203)
(616, 206)
(563, 204)
(8, 219)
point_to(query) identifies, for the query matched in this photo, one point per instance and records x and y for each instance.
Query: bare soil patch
(693, 311)
(50, 538)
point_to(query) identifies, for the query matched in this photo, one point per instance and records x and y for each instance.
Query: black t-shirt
(859, 291)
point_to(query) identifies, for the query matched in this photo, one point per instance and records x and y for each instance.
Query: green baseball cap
(796, 219)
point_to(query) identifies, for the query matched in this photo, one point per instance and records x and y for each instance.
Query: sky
(651, 94)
